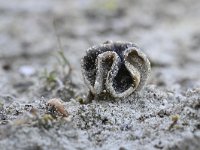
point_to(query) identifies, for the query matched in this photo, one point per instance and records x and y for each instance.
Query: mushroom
(115, 68)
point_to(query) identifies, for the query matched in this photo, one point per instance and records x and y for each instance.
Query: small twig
(61, 51)
(60, 83)
(66, 62)
(175, 119)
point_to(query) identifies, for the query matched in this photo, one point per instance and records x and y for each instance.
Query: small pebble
(57, 105)
(27, 70)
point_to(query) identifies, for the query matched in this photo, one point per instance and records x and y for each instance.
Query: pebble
(27, 70)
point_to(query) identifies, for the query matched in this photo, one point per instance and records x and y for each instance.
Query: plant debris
(55, 106)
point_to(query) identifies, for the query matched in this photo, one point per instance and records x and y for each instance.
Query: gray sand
(165, 115)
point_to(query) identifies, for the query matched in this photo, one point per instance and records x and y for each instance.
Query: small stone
(27, 70)
(55, 105)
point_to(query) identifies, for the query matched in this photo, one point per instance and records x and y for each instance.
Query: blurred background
(168, 32)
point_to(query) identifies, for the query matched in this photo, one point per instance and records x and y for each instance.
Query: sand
(164, 115)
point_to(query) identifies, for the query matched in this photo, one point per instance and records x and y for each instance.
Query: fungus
(115, 68)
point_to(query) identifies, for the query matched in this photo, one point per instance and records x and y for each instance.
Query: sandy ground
(165, 115)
